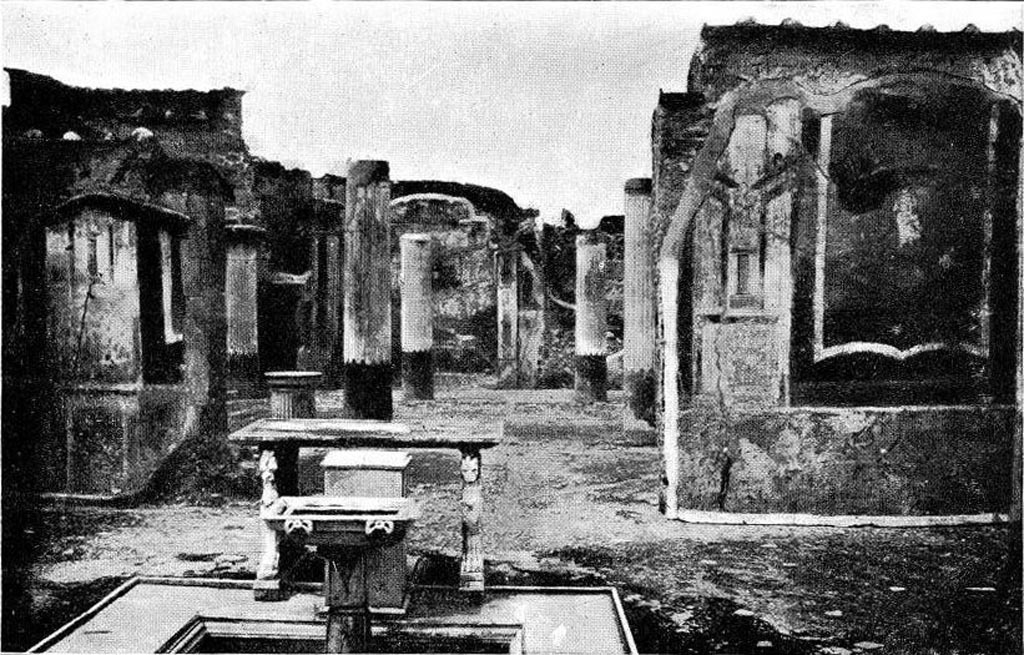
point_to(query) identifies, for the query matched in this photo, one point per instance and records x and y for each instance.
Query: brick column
(367, 291)
(591, 318)
(417, 318)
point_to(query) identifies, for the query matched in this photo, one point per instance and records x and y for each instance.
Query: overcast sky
(550, 103)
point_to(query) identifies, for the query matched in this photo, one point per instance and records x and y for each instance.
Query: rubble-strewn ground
(571, 500)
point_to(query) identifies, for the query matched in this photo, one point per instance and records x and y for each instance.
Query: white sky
(550, 103)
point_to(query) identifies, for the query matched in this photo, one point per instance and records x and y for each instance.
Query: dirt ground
(571, 500)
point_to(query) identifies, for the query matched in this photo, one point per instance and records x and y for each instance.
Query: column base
(641, 389)
(591, 378)
(368, 391)
(418, 375)
(471, 581)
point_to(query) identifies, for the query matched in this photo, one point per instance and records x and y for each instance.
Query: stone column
(639, 305)
(293, 393)
(367, 292)
(591, 318)
(506, 275)
(325, 264)
(244, 374)
(417, 317)
(1018, 431)
(531, 324)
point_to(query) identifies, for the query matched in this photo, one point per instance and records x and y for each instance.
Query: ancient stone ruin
(155, 269)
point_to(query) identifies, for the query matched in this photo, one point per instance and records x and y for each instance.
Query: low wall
(109, 439)
(848, 460)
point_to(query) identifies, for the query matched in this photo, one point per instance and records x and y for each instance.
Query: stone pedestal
(372, 474)
(293, 393)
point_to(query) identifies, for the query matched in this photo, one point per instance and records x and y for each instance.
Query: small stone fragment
(742, 612)
(769, 545)
(709, 562)
(833, 613)
(981, 589)
(867, 645)
(764, 644)
(897, 588)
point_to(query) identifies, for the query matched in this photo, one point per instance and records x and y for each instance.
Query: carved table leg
(268, 578)
(472, 575)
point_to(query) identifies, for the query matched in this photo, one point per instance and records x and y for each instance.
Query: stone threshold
(837, 521)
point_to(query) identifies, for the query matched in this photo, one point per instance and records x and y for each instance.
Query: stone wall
(901, 461)
(463, 276)
(82, 154)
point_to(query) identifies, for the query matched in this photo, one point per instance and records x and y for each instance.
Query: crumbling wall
(60, 143)
(826, 60)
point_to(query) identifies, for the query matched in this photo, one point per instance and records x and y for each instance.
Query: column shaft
(639, 309)
(506, 274)
(367, 292)
(417, 318)
(591, 318)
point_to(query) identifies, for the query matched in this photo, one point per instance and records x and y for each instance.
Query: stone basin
(341, 520)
